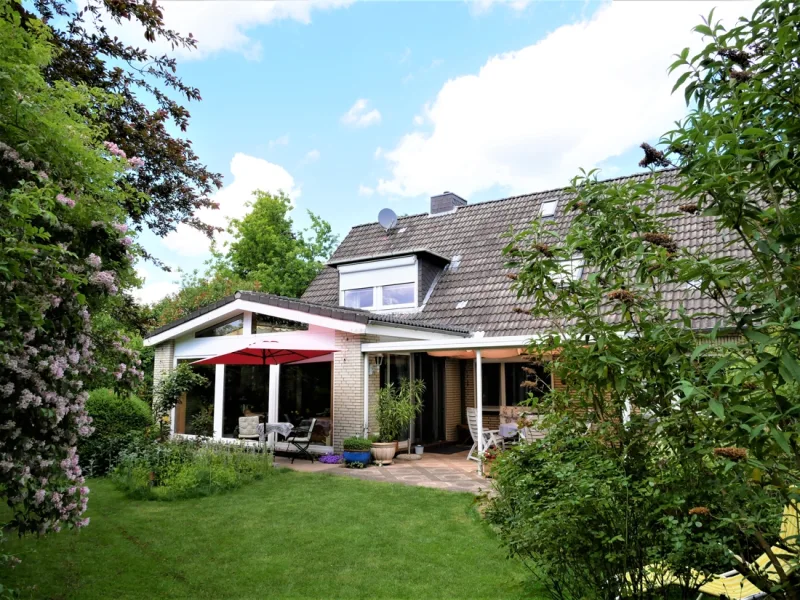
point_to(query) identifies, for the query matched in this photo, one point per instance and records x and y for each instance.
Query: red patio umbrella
(269, 352)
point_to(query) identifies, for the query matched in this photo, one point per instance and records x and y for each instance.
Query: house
(428, 298)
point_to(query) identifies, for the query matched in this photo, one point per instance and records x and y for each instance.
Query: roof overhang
(419, 252)
(237, 305)
(469, 343)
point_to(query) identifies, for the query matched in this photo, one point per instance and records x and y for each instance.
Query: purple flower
(126, 241)
(105, 279)
(42, 175)
(136, 162)
(94, 261)
(66, 201)
(38, 497)
(121, 227)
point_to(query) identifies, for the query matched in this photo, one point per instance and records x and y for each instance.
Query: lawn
(292, 535)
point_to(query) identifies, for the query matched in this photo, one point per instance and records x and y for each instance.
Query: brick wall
(164, 361)
(348, 388)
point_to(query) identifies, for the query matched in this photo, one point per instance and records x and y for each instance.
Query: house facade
(427, 298)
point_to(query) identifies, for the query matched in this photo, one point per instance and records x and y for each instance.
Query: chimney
(446, 202)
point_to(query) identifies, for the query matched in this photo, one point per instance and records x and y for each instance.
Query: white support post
(479, 406)
(219, 400)
(366, 394)
(272, 399)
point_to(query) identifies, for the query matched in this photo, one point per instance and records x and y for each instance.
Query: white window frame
(374, 298)
(549, 208)
(384, 272)
(574, 266)
(377, 298)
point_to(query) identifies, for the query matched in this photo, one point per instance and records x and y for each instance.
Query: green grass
(291, 535)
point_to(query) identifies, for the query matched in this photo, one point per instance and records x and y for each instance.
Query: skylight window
(549, 208)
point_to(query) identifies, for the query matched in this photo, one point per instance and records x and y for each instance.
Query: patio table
(508, 430)
(265, 429)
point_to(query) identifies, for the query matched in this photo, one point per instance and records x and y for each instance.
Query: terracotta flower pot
(383, 452)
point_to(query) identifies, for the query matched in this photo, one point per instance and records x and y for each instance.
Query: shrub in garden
(357, 444)
(186, 469)
(118, 421)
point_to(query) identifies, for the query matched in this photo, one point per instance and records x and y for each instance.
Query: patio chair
(491, 437)
(248, 428)
(300, 438)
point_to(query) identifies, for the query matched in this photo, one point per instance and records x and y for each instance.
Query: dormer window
(359, 298)
(388, 284)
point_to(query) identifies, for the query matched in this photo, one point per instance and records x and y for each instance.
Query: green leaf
(788, 361)
(716, 408)
(681, 80)
(781, 440)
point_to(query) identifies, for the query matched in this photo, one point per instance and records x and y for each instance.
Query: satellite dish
(387, 218)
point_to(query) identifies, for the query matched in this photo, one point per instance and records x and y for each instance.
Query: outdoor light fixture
(379, 359)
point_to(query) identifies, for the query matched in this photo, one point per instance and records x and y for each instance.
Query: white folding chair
(532, 430)
(491, 437)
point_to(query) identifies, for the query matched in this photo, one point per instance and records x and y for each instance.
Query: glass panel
(401, 293)
(361, 298)
(195, 399)
(246, 393)
(398, 368)
(267, 324)
(490, 372)
(523, 379)
(549, 208)
(234, 326)
(305, 392)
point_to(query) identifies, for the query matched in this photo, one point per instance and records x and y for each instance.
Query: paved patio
(451, 472)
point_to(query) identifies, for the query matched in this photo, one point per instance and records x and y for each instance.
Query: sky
(350, 107)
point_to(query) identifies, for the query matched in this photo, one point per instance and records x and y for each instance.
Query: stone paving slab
(441, 471)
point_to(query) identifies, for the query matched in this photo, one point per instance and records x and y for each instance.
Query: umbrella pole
(266, 396)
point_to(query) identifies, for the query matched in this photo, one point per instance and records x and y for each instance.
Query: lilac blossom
(105, 279)
(136, 162)
(94, 261)
(65, 200)
(114, 149)
(121, 227)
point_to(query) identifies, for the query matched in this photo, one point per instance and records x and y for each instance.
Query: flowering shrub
(178, 469)
(59, 203)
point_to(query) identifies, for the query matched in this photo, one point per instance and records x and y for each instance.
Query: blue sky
(484, 99)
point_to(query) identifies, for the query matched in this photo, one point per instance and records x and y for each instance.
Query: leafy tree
(170, 183)
(63, 253)
(265, 249)
(266, 255)
(693, 443)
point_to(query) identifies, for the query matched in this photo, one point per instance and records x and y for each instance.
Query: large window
(401, 293)
(523, 379)
(195, 400)
(246, 393)
(361, 298)
(234, 326)
(490, 374)
(267, 324)
(304, 393)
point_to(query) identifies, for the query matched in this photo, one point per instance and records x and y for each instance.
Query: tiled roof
(480, 285)
(314, 308)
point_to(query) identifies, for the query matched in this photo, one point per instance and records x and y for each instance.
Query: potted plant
(356, 450)
(397, 407)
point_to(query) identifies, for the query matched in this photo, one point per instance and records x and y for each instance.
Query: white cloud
(419, 119)
(280, 141)
(152, 290)
(312, 155)
(359, 114)
(364, 190)
(248, 174)
(221, 26)
(482, 6)
(378, 152)
(529, 119)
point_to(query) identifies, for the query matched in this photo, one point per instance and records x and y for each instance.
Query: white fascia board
(410, 333)
(451, 343)
(239, 305)
(374, 265)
